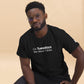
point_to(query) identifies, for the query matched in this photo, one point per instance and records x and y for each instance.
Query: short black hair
(35, 4)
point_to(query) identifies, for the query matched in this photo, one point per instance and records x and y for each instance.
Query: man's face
(36, 18)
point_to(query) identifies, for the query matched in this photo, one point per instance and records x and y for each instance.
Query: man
(43, 45)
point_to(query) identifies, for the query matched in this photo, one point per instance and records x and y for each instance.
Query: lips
(35, 24)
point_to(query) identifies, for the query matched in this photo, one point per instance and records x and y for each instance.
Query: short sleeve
(68, 43)
(21, 51)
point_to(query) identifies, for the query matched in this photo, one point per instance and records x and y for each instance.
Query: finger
(63, 82)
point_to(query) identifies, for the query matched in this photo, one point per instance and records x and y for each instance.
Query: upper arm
(23, 50)
(69, 43)
(78, 52)
(24, 62)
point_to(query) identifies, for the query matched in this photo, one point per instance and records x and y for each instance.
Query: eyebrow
(35, 14)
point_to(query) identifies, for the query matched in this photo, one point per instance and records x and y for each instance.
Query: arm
(79, 55)
(27, 72)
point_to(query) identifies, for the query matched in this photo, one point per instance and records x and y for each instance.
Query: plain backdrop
(65, 14)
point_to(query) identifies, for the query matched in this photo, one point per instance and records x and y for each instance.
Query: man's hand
(65, 82)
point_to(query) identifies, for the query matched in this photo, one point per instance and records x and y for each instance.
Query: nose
(34, 19)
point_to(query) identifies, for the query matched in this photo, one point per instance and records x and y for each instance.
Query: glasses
(37, 17)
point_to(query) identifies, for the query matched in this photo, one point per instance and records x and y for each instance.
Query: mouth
(36, 24)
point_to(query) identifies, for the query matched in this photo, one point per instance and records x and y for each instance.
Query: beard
(42, 25)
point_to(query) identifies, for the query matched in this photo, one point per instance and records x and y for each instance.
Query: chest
(45, 51)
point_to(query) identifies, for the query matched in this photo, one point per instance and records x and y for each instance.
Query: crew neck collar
(43, 36)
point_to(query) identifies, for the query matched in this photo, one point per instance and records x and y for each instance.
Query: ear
(45, 15)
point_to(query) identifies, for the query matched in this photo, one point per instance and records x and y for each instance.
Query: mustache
(42, 25)
(34, 23)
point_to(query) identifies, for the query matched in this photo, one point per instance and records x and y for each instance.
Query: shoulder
(58, 32)
(56, 29)
(26, 35)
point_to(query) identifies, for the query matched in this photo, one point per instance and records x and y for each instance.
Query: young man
(43, 45)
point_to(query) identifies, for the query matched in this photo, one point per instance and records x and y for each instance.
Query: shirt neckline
(43, 36)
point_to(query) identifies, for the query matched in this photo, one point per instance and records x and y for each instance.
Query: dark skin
(35, 18)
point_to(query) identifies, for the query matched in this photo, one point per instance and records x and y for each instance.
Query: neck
(42, 32)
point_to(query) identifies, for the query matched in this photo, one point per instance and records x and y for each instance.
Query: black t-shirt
(46, 53)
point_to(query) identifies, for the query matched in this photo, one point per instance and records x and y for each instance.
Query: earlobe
(45, 15)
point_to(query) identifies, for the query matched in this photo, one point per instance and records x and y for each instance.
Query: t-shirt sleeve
(68, 43)
(21, 51)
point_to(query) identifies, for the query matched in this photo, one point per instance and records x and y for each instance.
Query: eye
(37, 16)
(30, 18)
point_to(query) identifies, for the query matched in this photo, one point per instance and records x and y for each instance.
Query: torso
(46, 55)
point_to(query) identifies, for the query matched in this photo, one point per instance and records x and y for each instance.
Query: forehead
(34, 11)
